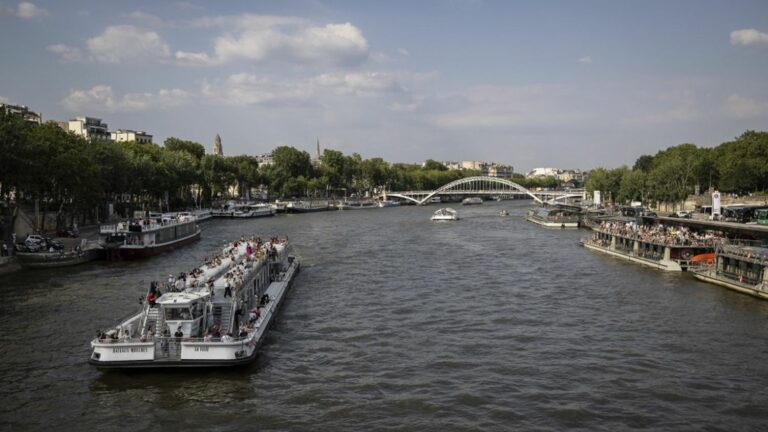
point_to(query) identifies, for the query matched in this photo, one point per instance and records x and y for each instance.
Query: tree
(644, 163)
(195, 149)
(742, 164)
(607, 181)
(632, 186)
(430, 164)
(674, 173)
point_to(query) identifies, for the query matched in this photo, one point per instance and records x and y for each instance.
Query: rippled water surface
(397, 323)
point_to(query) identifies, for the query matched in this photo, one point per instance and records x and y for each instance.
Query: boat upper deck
(665, 235)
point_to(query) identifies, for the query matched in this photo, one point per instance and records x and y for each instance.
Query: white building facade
(24, 112)
(89, 127)
(130, 135)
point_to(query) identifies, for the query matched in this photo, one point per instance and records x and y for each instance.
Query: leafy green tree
(432, 165)
(644, 163)
(195, 149)
(674, 173)
(742, 164)
(607, 181)
(632, 186)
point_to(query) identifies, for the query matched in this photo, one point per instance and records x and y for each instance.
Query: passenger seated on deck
(227, 337)
(264, 299)
(253, 316)
(243, 332)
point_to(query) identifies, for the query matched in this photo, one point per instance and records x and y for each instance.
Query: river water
(397, 323)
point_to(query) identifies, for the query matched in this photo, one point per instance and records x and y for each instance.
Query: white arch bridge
(483, 185)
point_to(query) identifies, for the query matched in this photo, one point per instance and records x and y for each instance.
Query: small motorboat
(445, 214)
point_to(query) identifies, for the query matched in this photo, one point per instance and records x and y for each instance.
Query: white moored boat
(445, 214)
(236, 210)
(472, 201)
(219, 317)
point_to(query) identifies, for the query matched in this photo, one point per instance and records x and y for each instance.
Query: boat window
(175, 314)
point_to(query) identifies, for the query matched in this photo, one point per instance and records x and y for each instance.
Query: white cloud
(585, 60)
(248, 89)
(67, 53)
(262, 38)
(101, 98)
(361, 83)
(28, 10)
(502, 107)
(403, 52)
(742, 107)
(194, 59)
(333, 43)
(127, 43)
(749, 37)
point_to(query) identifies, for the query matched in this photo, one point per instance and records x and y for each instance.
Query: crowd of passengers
(659, 234)
(233, 279)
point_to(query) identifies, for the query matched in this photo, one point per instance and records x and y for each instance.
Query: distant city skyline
(534, 84)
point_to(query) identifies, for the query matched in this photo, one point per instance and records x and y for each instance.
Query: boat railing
(743, 278)
(740, 251)
(131, 226)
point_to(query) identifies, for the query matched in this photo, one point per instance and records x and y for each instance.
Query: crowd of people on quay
(660, 234)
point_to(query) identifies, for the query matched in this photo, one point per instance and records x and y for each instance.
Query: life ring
(686, 254)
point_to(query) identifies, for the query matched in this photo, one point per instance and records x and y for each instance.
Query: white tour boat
(472, 201)
(445, 214)
(238, 210)
(218, 317)
(388, 203)
(147, 235)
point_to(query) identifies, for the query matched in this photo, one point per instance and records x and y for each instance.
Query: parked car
(681, 214)
(34, 242)
(37, 243)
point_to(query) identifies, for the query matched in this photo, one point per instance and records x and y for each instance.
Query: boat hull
(123, 252)
(661, 265)
(553, 224)
(52, 260)
(711, 277)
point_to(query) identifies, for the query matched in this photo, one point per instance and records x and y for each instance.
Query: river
(398, 323)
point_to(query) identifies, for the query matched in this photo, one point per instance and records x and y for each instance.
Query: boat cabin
(185, 311)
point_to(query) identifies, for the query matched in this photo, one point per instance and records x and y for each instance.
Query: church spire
(217, 150)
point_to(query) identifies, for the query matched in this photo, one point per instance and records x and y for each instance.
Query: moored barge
(740, 268)
(648, 247)
(554, 217)
(148, 236)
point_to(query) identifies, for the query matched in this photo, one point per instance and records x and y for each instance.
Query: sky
(565, 84)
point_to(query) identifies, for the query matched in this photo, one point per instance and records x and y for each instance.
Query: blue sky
(569, 84)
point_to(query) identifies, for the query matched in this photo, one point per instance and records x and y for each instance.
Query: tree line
(76, 178)
(739, 166)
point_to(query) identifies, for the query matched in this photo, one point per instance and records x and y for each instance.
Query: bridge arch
(476, 180)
